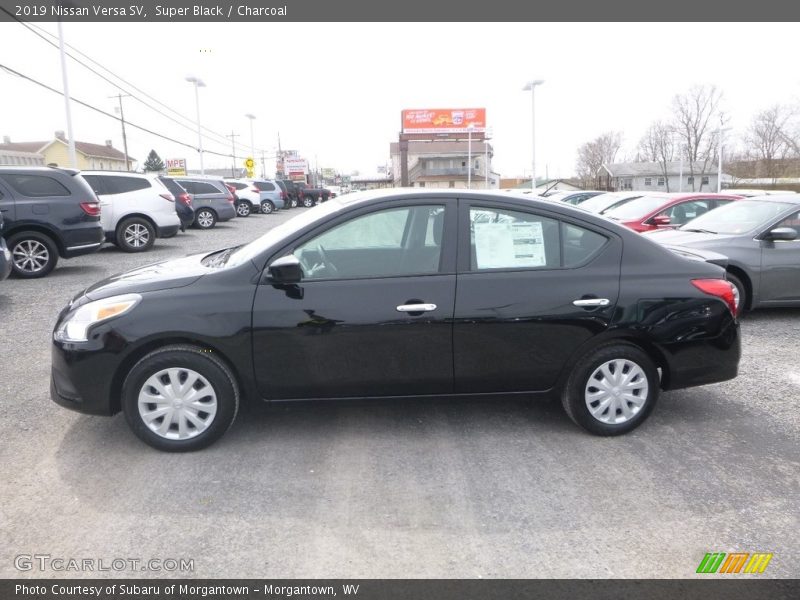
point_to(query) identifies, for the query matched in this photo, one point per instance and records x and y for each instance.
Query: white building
(652, 176)
(444, 164)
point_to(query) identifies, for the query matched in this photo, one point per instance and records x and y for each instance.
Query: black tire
(308, 201)
(267, 207)
(294, 202)
(33, 254)
(135, 234)
(217, 375)
(205, 218)
(243, 208)
(744, 299)
(574, 393)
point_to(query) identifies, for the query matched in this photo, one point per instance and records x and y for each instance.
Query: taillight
(168, 197)
(91, 208)
(283, 195)
(720, 288)
(185, 199)
(255, 189)
(231, 189)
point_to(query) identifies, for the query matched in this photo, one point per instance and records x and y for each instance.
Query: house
(19, 158)
(542, 185)
(56, 152)
(443, 164)
(653, 176)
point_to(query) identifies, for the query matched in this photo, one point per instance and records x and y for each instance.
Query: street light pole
(531, 85)
(252, 142)
(73, 157)
(198, 83)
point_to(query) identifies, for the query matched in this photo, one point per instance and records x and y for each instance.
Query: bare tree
(594, 154)
(769, 140)
(697, 117)
(658, 145)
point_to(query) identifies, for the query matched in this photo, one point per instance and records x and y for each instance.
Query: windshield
(738, 217)
(599, 203)
(637, 209)
(276, 234)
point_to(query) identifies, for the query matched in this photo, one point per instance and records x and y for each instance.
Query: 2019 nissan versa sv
(397, 294)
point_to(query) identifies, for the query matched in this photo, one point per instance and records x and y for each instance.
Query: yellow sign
(249, 163)
(250, 173)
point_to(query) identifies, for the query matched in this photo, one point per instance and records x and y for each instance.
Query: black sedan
(399, 294)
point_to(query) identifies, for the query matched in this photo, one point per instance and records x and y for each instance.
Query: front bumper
(80, 378)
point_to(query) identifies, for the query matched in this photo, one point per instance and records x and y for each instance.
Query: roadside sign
(176, 167)
(249, 163)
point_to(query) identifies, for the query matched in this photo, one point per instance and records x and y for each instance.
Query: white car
(135, 208)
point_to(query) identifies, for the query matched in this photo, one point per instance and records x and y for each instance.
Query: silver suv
(211, 199)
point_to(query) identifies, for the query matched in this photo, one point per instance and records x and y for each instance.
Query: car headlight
(75, 328)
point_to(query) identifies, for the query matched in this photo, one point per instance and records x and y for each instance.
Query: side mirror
(785, 234)
(285, 269)
(661, 220)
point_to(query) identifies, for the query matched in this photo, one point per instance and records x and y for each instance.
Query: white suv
(135, 208)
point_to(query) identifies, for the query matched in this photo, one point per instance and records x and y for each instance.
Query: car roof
(41, 170)
(790, 198)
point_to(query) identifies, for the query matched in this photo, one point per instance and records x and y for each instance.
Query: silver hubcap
(266, 207)
(136, 235)
(243, 209)
(616, 391)
(177, 404)
(205, 219)
(31, 256)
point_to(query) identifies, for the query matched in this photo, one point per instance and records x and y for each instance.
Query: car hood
(692, 239)
(159, 276)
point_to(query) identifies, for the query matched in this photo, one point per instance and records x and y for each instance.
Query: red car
(666, 211)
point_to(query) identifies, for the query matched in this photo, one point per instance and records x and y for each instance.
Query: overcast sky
(335, 91)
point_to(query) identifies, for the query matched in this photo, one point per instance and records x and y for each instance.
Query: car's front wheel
(244, 208)
(135, 235)
(740, 293)
(611, 390)
(180, 398)
(33, 254)
(205, 218)
(308, 201)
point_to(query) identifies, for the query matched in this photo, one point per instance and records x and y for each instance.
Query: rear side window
(171, 185)
(36, 186)
(506, 239)
(265, 186)
(237, 185)
(200, 187)
(122, 185)
(580, 245)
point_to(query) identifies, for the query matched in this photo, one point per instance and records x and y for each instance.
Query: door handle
(589, 302)
(410, 308)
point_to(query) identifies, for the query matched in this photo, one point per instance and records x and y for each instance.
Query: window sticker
(509, 245)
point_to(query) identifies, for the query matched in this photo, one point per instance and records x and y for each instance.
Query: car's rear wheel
(308, 201)
(180, 398)
(135, 235)
(294, 203)
(611, 390)
(33, 254)
(740, 293)
(205, 218)
(244, 208)
(267, 207)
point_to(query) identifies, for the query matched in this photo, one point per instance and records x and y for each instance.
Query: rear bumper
(703, 362)
(168, 231)
(84, 240)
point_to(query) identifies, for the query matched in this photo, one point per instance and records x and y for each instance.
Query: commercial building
(446, 164)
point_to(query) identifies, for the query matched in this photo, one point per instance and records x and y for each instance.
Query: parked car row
(52, 213)
(754, 234)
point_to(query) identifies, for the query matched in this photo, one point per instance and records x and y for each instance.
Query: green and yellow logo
(734, 562)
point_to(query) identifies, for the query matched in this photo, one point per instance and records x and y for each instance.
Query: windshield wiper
(697, 230)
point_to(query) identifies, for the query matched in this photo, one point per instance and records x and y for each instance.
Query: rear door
(7, 209)
(531, 289)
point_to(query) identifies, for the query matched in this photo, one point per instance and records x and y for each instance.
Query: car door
(372, 314)
(780, 265)
(532, 288)
(7, 210)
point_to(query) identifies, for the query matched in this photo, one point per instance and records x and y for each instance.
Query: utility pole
(233, 137)
(281, 174)
(124, 137)
(73, 159)
(263, 166)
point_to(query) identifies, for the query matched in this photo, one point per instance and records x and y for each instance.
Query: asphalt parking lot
(477, 488)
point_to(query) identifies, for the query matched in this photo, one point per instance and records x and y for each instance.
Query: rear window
(638, 208)
(264, 186)
(36, 186)
(172, 185)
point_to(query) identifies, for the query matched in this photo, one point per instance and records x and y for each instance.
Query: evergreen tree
(153, 162)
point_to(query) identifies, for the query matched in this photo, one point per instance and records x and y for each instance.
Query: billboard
(295, 166)
(176, 167)
(328, 173)
(444, 120)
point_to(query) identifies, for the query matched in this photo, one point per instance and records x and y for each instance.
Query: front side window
(506, 239)
(386, 243)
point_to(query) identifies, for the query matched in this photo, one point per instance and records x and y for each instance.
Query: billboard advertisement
(295, 166)
(444, 120)
(176, 167)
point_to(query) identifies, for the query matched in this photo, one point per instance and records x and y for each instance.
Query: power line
(221, 138)
(102, 112)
